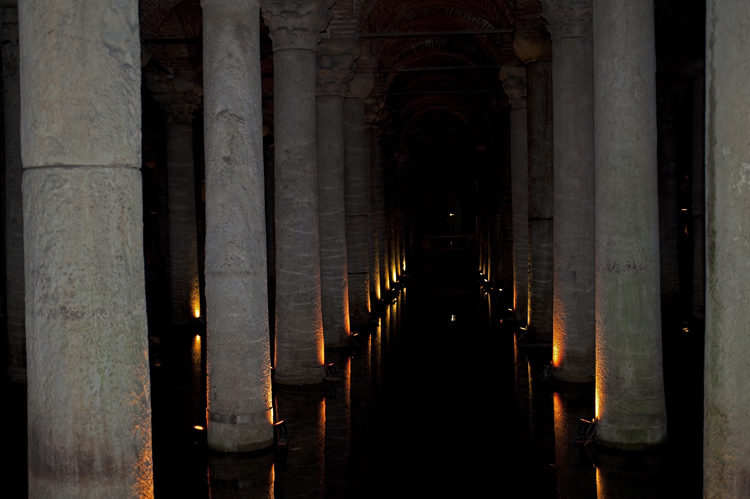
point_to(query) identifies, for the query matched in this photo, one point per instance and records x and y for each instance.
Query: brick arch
(152, 15)
(377, 15)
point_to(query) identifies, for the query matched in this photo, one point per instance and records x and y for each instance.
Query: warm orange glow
(597, 403)
(556, 352)
(198, 427)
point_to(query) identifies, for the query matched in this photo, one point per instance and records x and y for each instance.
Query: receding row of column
(88, 384)
(592, 288)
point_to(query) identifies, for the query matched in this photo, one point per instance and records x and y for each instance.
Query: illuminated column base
(295, 32)
(726, 439)
(539, 96)
(629, 376)
(335, 68)
(238, 349)
(356, 200)
(574, 335)
(514, 83)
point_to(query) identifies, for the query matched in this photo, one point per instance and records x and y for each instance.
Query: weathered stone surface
(726, 439)
(334, 71)
(14, 290)
(238, 348)
(540, 188)
(88, 379)
(299, 321)
(629, 381)
(356, 211)
(574, 334)
(514, 84)
(567, 19)
(296, 24)
(104, 45)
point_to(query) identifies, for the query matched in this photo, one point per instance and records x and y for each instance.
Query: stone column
(372, 160)
(574, 334)
(238, 350)
(184, 284)
(16, 318)
(89, 413)
(514, 84)
(356, 198)
(629, 377)
(540, 156)
(335, 69)
(295, 32)
(726, 446)
(378, 192)
(698, 200)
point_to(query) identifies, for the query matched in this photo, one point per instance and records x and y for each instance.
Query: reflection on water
(424, 406)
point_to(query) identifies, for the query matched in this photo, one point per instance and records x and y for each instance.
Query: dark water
(435, 401)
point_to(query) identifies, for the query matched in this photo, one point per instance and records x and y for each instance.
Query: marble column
(629, 376)
(335, 67)
(726, 442)
(698, 198)
(378, 192)
(295, 32)
(14, 288)
(574, 334)
(514, 84)
(540, 157)
(89, 413)
(184, 286)
(356, 198)
(372, 159)
(239, 413)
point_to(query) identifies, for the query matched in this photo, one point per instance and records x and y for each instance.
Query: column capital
(361, 86)
(514, 84)
(568, 18)
(335, 65)
(296, 24)
(178, 107)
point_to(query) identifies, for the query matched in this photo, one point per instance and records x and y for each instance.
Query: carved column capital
(335, 66)
(178, 107)
(296, 24)
(567, 18)
(514, 84)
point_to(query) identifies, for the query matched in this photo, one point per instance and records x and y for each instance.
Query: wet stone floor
(437, 400)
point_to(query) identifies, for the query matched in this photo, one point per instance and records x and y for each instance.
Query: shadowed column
(89, 413)
(629, 376)
(14, 288)
(184, 284)
(335, 69)
(356, 198)
(295, 32)
(726, 439)
(574, 335)
(238, 349)
(514, 84)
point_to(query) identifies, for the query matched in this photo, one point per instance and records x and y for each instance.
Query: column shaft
(539, 95)
(356, 211)
(629, 379)
(14, 290)
(89, 413)
(573, 352)
(333, 240)
(183, 232)
(726, 446)
(238, 348)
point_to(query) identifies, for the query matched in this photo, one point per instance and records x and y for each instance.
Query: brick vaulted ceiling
(420, 105)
